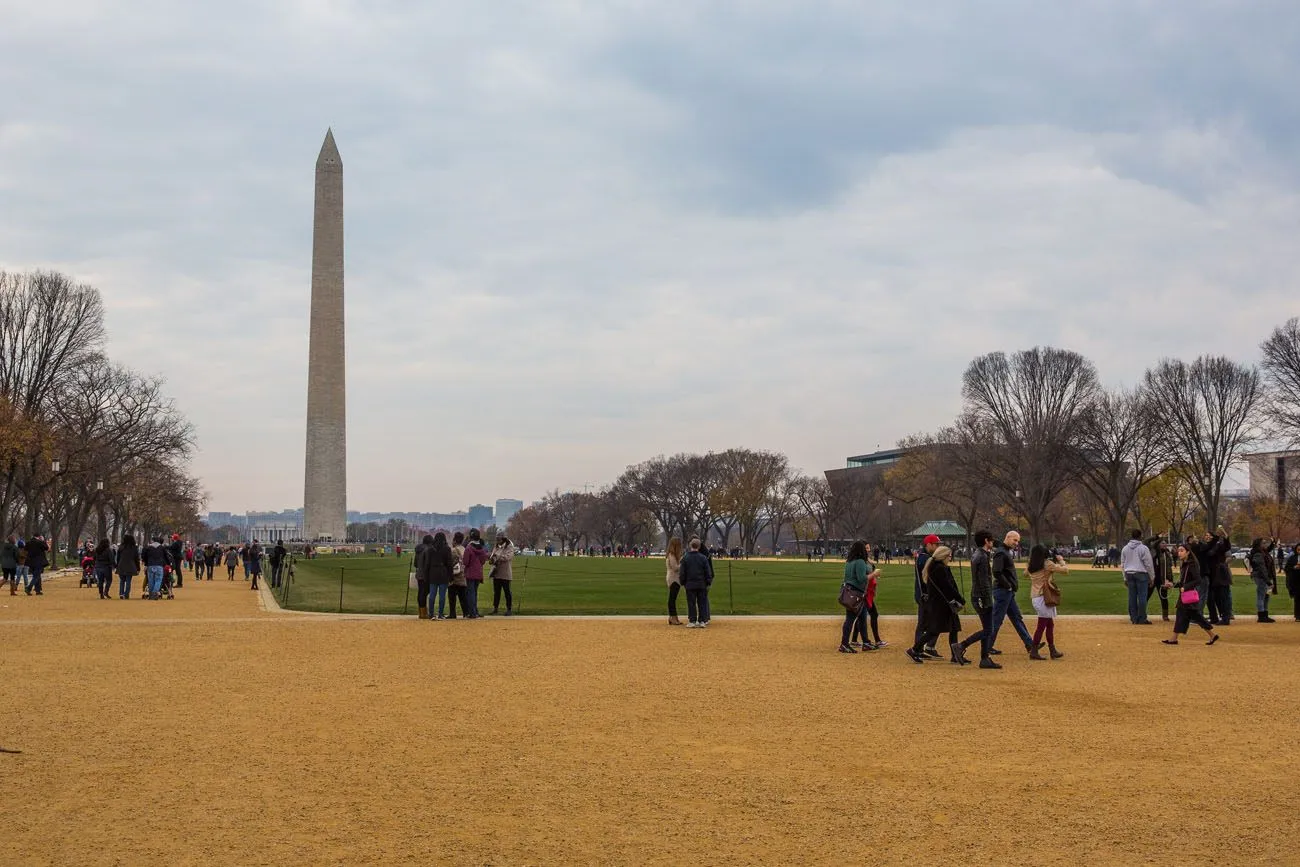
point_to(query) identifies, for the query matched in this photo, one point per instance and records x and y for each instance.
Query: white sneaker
(692, 625)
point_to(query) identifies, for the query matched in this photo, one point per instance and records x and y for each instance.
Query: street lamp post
(889, 527)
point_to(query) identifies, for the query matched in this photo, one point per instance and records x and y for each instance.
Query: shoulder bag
(1051, 593)
(851, 598)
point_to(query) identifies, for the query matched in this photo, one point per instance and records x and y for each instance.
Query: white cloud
(581, 236)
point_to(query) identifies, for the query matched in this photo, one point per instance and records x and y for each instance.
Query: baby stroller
(88, 578)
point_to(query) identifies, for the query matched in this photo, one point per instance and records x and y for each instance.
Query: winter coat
(1038, 580)
(433, 564)
(1292, 568)
(697, 571)
(473, 559)
(156, 555)
(1004, 569)
(672, 570)
(855, 574)
(36, 551)
(232, 557)
(458, 566)
(128, 560)
(9, 556)
(941, 590)
(981, 580)
(104, 559)
(1190, 578)
(500, 559)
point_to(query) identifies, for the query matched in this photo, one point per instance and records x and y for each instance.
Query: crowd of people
(445, 574)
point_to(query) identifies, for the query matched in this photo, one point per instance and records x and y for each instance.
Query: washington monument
(325, 503)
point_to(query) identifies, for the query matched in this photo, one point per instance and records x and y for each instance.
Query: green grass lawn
(582, 585)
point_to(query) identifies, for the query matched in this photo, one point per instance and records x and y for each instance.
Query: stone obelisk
(325, 507)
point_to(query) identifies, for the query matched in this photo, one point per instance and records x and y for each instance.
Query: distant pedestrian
(673, 576)
(501, 558)
(1292, 569)
(9, 564)
(1189, 602)
(177, 552)
(1045, 596)
(697, 575)
(1135, 562)
(1163, 578)
(1263, 573)
(870, 615)
(198, 558)
(458, 586)
(104, 562)
(232, 560)
(37, 561)
(473, 559)
(254, 562)
(856, 572)
(128, 565)
(156, 560)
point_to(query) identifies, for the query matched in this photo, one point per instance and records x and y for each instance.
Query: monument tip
(329, 151)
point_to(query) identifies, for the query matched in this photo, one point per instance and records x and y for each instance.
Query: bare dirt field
(209, 731)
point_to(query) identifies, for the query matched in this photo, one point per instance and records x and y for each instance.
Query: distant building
(479, 515)
(507, 509)
(1274, 475)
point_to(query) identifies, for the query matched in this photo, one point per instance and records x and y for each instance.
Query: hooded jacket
(1136, 557)
(156, 555)
(473, 559)
(36, 551)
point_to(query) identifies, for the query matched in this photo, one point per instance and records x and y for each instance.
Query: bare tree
(1020, 425)
(529, 526)
(819, 504)
(1281, 368)
(1209, 409)
(933, 474)
(1122, 448)
(745, 480)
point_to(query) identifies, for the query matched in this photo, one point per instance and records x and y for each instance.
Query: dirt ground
(207, 730)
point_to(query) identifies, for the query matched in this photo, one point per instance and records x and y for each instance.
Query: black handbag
(852, 598)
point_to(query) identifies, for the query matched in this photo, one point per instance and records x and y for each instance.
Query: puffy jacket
(697, 571)
(473, 559)
(433, 563)
(9, 556)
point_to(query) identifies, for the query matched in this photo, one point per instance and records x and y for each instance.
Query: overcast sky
(583, 234)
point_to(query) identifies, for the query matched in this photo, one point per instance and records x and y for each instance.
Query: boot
(424, 613)
(958, 653)
(1053, 652)
(674, 620)
(1264, 618)
(1034, 654)
(987, 662)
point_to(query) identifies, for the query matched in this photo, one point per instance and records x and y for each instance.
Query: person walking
(943, 600)
(156, 558)
(104, 562)
(128, 565)
(277, 557)
(473, 559)
(177, 552)
(198, 559)
(9, 564)
(23, 574)
(981, 593)
(232, 560)
(869, 612)
(1163, 576)
(930, 544)
(458, 587)
(697, 575)
(1263, 574)
(856, 572)
(37, 561)
(1044, 595)
(1135, 563)
(213, 554)
(1188, 611)
(1005, 585)
(502, 558)
(673, 576)
(1292, 569)
(254, 562)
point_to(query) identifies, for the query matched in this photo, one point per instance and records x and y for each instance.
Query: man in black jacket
(981, 593)
(1211, 555)
(177, 552)
(37, 561)
(697, 575)
(1005, 586)
(278, 553)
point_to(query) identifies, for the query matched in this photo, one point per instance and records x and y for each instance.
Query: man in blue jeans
(1138, 568)
(1005, 586)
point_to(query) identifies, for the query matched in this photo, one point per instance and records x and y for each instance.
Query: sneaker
(867, 645)
(985, 662)
(844, 648)
(692, 625)
(914, 656)
(932, 653)
(880, 644)
(993, 651)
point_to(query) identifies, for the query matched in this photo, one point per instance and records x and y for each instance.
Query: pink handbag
(1190, 597)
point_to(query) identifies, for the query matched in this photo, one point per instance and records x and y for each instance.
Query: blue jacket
(697, 571)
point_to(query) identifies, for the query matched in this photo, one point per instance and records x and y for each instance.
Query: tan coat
(1038, 579)
(672, 570)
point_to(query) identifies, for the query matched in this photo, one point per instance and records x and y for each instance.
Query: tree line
(1039, 443)
(87, 446)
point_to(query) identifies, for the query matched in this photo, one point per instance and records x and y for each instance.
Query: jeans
(500, 585)
(1261, 595)
(471, 596)
(986, 630)
(1005, 605)
(36, 578)
(124, 586)
(104, 578)
(438, 592)
(851, 621)
(1137, 583)
(697, 604)
(24, 575)
(155, 577)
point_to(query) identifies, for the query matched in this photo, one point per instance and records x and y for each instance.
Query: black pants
(104, 578)
(985, 635)
(255, 576)
(868, 612)
(422, 593)
(853, 623)
(212, 564)
(1156, 587)
(920, 622)
(500, 585)
(1220, 607)
(929, 637)
(673, 590)
(277, 569)
(1186, 616)
(457, 592)
(11, 576)
(697, 604)
(230, 572)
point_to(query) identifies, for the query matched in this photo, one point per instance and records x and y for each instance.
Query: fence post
(340, 590)
(407, 604)
(731, 593)
(519, 607)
